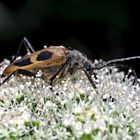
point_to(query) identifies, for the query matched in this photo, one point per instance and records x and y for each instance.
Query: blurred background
(102, 29)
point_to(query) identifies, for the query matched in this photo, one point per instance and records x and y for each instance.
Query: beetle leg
(28, 46)
(54, 76)
(60, 71)
(8, 77)
(18, 71)
(89, 78)
(65, 69)
(128, 67)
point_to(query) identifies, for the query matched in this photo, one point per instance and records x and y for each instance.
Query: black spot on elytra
(45, 55)
(23, 62)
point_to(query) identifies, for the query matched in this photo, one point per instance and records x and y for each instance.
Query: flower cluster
(29, 109)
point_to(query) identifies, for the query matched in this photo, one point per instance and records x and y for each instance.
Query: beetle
(54, 61)
(51, 61)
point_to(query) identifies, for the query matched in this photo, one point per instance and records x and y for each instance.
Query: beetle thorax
(77, 58)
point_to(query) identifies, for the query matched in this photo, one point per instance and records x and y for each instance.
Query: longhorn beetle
(53, 61)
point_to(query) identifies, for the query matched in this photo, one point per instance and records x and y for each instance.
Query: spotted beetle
(53, 61)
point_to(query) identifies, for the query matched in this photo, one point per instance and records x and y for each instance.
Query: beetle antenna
(117, 60)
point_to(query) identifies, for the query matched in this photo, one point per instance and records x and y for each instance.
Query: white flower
(73, 109)
(78, 110)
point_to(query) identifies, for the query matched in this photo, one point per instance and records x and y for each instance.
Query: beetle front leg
(90, 79)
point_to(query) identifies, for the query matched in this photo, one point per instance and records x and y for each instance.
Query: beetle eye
(88, 67)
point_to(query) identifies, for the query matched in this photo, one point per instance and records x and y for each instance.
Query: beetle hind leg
(28, 46)
(18, 71)
(8, 77)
